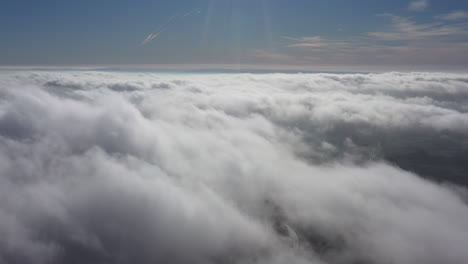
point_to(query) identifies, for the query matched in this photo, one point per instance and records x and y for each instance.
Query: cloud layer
(100, 167)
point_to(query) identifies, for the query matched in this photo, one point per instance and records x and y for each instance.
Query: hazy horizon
(233, 68)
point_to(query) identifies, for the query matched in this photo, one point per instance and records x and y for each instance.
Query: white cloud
(147, 168)
(418, 5)
(455, 15)
(405, 29)
(403, 42)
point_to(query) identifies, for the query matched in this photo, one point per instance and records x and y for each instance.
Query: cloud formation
(101, 167)
(418, 5)
(455, 15)
(403, 42)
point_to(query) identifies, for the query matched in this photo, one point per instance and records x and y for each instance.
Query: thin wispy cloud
(406, 29)
(404, 42)
(309, 42)
(418, 5)
(455, 15)
(291, 38)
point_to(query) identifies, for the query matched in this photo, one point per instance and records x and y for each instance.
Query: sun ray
(208, 21)
(267, 25)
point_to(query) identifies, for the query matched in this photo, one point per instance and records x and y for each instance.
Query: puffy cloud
(100, 167)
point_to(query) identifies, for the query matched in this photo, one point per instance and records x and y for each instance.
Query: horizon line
(243, 68)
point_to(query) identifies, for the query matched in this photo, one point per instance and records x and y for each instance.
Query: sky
(308, 34)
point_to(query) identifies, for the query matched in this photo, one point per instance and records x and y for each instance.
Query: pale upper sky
(312, 34)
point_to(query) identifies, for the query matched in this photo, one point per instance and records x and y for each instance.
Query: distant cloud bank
(102, 167)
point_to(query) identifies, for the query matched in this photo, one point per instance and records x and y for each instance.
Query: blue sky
(303, 33)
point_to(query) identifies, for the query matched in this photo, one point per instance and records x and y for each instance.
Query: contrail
(158, 30)
(151, 37)
(196, 10)
(172, 20)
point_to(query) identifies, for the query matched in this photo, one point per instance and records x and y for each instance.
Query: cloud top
(102, 167)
